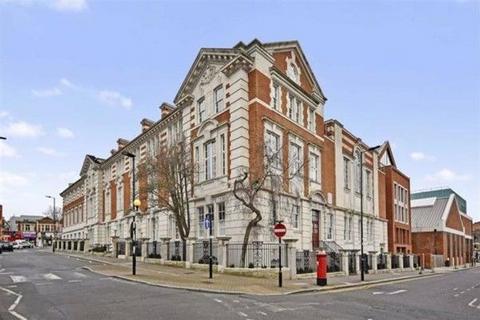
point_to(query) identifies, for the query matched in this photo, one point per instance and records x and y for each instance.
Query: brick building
(396, 186)
(235, 107)
(441, 227)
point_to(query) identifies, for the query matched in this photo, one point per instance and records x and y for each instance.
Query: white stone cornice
(240, 62)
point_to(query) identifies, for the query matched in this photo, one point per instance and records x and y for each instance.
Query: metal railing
(154, 250)
(406, 261)
(382, 261)
(306, 261)
(201, 252)
(258, 255)
(395, 262)
(176, 251)
(121, 248)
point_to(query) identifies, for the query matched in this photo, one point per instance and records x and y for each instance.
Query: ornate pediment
(204, 69)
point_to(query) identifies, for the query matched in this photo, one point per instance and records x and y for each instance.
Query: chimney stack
(146, 124)
(121, 143)
(166, 109)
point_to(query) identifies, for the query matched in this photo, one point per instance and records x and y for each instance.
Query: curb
(300, 291)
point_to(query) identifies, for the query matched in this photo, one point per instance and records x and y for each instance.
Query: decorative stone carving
(208, 75)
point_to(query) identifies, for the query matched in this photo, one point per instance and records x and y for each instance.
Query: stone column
(400, 261)
(114, 246)
(86, 247)
(222, 252)
(389, 261)
(374, 260)
(164, 248)
(144, 248)
(357, 262)
(190, 248)
(345, 263)
(291, 257)
(128, 249)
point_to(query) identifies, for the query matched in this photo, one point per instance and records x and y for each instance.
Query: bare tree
(271, 178)
(49, 213)
(169, 176)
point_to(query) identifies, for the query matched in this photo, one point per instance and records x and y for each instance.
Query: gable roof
(89, 159)
(294, 44)
(200, 63)
(386, 150)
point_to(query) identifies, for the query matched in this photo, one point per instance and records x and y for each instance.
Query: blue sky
(76, 75)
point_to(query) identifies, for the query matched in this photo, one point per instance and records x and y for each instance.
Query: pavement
(36, 284)
(198, 280)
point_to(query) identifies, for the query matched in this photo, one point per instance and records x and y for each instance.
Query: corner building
(234, 105)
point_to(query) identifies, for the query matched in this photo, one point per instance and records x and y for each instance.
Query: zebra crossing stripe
(18, 279)
(51, 276)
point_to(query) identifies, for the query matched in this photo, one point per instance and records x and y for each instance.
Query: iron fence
(395, 262)
(258, 254)
(176, 251)
(154, 250)
(306, 261)
(138, 249)
(406, 261)
(382, 261)
(121, 248)
(75, 245)
(82, 245)
(334, 262)
(352, 262)
(201, 252)
(416, 261)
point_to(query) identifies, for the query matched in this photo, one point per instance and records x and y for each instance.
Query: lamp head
(137, 203)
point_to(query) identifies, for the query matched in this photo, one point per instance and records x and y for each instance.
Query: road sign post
(280, 230)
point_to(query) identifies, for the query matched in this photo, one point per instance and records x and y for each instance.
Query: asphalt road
(36, 284)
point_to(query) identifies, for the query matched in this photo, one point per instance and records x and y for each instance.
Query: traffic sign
(280, 230)
(206, 224)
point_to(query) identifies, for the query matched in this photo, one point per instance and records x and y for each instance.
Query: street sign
(280, 230)
(206, 224)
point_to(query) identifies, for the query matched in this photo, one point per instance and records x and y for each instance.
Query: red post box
(321, 268)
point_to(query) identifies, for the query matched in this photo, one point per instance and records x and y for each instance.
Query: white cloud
(7, 151)
(50, 152)
(8, 179)
(22, 129)
(67, 83)
(70, 5)
(3, 114)
(55, 91)
(447, 175)
(114, 98)
(420, 156)
(65, 133)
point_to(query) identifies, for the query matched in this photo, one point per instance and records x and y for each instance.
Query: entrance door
(315, 229)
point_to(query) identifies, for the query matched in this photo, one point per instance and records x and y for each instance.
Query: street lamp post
(54, 222)
(362, 257)
(136, 203)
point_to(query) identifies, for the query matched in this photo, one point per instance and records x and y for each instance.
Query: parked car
(22, 244)
(6, 246)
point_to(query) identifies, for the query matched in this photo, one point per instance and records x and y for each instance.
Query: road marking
(218, 300)
(262, 313)
(462, 292)
(236, 301)
(242, 314)
(42, 283)
(108, 278)
(11, 309)
(1, 270)
(74, 281)
(397, 292)
(18, 279)
(472, 302)
(51, 276)
(12, 286)
(6, 272)
(456, 295)
(455, 289)
(79, 275)
(378, 292)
